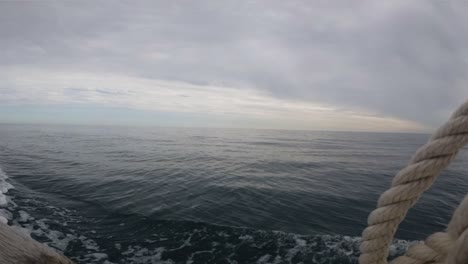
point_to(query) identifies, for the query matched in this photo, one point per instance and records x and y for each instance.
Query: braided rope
(407, 187)
(19, 248)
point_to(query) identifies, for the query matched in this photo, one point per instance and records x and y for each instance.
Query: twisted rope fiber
(442, 247)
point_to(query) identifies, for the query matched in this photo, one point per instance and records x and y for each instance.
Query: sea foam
(4, 187)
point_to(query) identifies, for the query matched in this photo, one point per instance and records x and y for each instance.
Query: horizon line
(206, 127)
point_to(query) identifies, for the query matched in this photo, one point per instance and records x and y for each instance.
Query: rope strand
(407, 187)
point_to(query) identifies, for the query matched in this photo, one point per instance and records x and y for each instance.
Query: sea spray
(4, 188)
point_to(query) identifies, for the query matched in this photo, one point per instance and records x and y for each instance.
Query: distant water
(179, 195)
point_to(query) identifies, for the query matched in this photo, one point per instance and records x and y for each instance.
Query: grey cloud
(399, 58)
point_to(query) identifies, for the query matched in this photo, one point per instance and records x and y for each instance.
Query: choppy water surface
(179, 195)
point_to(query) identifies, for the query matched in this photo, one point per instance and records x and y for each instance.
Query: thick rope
(407, 186)
(19, 248)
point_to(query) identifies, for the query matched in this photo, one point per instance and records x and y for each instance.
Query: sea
(105, 194)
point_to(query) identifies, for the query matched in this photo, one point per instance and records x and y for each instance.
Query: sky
(396, 66)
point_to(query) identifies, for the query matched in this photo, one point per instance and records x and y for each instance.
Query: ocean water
(192, 195)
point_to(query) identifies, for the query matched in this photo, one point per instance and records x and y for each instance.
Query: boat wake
(118, 238)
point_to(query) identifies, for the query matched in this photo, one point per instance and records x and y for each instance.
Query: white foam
(26, 225)
(5, 215)
(3, 174)
(300, 246)
(264, 259)
(98, 256)
(3, 200)
(4, 187)
(24, 217)
(137, 254)
(58, 240)
(246, 237)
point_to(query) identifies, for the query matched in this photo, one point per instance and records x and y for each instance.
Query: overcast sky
(325, 65)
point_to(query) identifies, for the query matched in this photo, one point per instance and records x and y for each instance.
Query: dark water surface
(185, 195)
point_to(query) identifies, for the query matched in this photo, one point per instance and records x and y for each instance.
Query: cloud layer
(234, 107)
(394, 64)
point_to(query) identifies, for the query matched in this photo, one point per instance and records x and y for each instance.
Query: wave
(106, 238)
